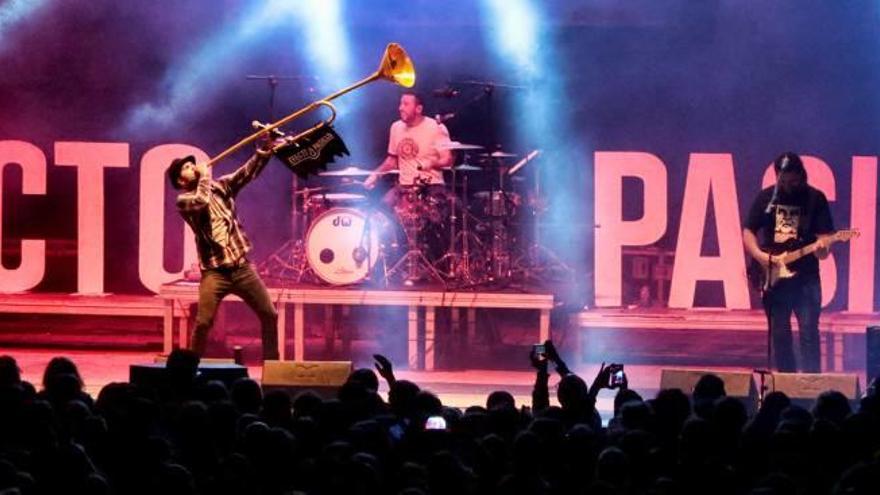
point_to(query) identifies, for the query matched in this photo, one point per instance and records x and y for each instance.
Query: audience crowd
(192, 436)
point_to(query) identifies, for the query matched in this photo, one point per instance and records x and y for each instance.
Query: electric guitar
(764, 278)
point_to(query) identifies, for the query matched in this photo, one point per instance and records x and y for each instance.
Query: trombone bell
(396, 66)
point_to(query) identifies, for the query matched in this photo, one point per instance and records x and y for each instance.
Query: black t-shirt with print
(793, 222)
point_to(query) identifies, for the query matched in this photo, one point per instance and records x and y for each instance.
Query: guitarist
(788, 216)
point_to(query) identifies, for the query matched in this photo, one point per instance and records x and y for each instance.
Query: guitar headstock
(846, 234)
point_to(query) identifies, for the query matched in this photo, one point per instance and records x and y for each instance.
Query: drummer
(413, 150)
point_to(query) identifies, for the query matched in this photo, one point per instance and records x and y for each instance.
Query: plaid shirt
(209, 210)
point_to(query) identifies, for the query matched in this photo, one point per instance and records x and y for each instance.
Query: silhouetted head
(10, 374)
(365, 377)
(572, 392)
(60, 366)
(790, 173)
(500, 399)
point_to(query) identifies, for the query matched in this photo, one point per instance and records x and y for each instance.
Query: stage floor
(460, 388)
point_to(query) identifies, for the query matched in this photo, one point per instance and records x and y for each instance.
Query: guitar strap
(808, 216)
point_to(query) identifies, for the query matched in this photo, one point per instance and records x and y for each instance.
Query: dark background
(747, 77)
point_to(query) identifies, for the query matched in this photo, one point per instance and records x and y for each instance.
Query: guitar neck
(840, 235)
(800, 253)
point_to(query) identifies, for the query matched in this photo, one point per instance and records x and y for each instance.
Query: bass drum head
(342, 245)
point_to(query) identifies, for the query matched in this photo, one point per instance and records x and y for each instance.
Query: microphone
(441, 118)
(786, 162)
(447, 92)
(257, 125)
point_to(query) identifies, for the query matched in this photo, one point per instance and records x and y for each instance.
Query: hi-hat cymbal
(455, 145)
(464, 167)
(347, 172)
(498, 154)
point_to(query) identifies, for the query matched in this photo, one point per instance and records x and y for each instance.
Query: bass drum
(343, 244)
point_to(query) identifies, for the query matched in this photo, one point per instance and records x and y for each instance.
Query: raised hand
(552, 353)
(538, 361)
(384, 368)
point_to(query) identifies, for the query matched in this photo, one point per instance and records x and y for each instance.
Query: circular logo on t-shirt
(407, 149)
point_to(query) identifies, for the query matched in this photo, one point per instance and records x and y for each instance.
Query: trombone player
(208, 207)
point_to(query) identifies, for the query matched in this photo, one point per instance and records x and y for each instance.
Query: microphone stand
(292, 248)
(767, 298)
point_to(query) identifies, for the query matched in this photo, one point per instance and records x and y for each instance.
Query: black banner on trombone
(313, 152)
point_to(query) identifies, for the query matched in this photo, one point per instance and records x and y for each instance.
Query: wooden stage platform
(421, 313)
(171, 310)
(833, 325)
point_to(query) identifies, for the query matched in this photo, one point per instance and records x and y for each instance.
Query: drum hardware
(460, 266)
(528, 266)
(413, 217)
(395, 66)
(289, 262)
(500, 206)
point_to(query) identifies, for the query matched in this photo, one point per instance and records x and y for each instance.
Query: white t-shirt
(415, 146)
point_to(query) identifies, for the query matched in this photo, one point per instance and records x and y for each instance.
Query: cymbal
(309, 190)
(498, 154)
(347, 172)
(464, 167)
(342, 197)
(455, 145)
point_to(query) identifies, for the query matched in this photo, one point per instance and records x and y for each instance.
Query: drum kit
(429, 235)
(444, 235)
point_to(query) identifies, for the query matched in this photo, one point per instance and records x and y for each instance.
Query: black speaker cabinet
(153, 374)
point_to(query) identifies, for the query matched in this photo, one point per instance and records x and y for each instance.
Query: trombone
(395, 66)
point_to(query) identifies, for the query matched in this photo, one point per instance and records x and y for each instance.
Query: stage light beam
(525, 43)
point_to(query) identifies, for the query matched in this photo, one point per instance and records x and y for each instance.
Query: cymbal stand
(500, 268)
(460, 264)
(529, 266)
(414, 260)
(289, 262)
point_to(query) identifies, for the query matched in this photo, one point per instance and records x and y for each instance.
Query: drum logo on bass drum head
(342, 221)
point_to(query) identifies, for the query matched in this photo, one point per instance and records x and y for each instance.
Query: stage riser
(707, 348)
(80, 332)
(872, 354)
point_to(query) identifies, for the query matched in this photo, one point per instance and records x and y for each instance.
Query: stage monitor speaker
(739, 384)
(322, 377)
(872, 353)
(154, 374)
(803, 388)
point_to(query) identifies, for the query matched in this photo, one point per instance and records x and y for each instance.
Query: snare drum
(343, 244)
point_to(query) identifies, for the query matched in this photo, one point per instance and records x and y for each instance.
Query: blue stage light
(328, 52)
(524, 43)
(14, 11)
(194, 78)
